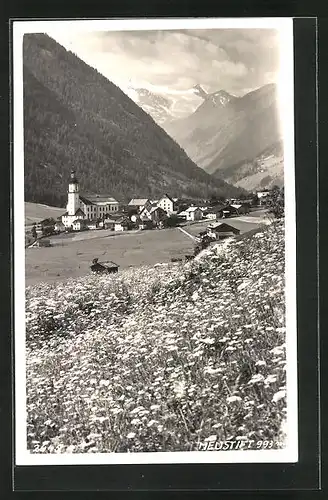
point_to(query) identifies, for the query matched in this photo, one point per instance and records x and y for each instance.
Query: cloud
(174, 61)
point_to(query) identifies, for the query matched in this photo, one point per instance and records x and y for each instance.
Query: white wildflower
(278, 396)
(233, 399)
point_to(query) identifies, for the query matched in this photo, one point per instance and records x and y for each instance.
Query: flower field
(161, 358)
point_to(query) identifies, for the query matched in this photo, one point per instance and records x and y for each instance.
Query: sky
(172, 62)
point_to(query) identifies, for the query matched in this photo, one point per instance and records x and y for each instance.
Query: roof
(223, 226)
(79, 212)
(216, 208)
(84, 221)
(138, 201)
(166, 196)
(236, 205)
(122, 220)
(192, 209)
(93, 199)
(73, 179)
(107, 263)
(154, 209)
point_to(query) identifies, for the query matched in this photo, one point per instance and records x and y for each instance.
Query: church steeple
(73, 194)
(73, 183)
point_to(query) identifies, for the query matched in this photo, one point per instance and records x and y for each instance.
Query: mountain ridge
(75, 118)
(220, 135)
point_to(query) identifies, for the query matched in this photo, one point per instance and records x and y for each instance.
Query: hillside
(75, 118)
(264, 171)
(36, 212)
(226, 132)
(161, 358)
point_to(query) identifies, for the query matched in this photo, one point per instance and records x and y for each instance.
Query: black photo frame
(304, 475)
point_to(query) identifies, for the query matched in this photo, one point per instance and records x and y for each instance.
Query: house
(167, 204)
(242, 208)
(193, 213)
(107, 267)
(92, 224)
(213, 212)
(89, 206)
(98, 205)
(108, 223)
(121, 224)
(155, 214)
(263, 194)
(139, 203)
(222, 230)
(227, 211)
(146, 224)
(79, 224)
(59, 227)
(43, 242)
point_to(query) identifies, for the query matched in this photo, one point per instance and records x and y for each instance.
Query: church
(87, 207)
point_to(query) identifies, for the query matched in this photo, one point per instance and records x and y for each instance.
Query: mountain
(156, 105)
(264, 171)
(75, 118)
(226, 132)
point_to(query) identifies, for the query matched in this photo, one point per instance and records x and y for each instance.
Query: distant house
(92, 224)
(227, 211)
(154, 214)
(242, 208)
(167, 204)
(263, 194)
(121, 224)
(222, 230)
(79, 224)
(146, 224)
(108, 223)
(67, 218)
(139, 203)
(59, 227)
(44, 225)
(107, 267)
(213, 212)
(193, 213)
(43, 242)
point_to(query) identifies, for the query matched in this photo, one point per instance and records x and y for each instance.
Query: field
(161, 358)
(71, 255)
(35, 212)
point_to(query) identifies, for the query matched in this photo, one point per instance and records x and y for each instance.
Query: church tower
(73, 195)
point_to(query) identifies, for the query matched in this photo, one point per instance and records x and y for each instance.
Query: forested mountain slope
(76, 118)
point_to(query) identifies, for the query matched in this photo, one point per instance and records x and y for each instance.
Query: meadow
(161, 358)
(71, 255)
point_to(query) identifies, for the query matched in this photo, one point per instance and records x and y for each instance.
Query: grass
(35, 212)
(70, 258)
(161, 358)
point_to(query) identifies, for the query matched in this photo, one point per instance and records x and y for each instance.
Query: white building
(87, 207)
(194, 213)
(167, 204)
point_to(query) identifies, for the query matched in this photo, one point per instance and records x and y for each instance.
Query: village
(98, 211)
(97, 233)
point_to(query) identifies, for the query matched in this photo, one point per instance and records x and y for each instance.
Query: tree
(255, 200)
(48, 230)
(276, 203)
(33, 232)
(172, 221)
